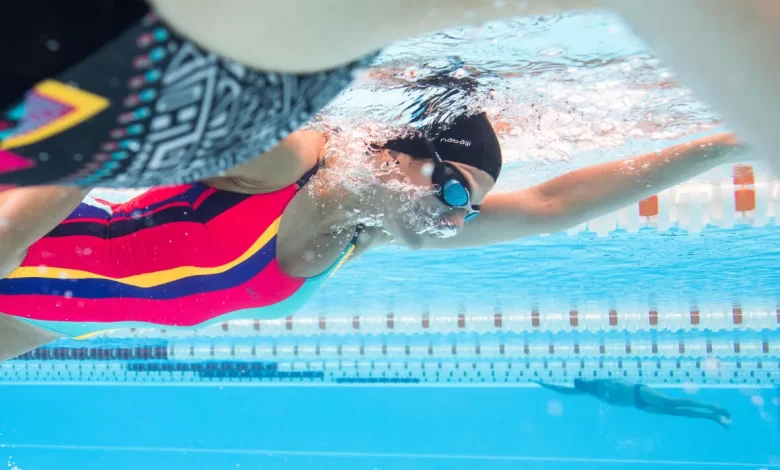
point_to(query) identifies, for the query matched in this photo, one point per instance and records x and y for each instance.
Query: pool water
(711, 268)
(428, 359)
(208, 427)
(138, 416)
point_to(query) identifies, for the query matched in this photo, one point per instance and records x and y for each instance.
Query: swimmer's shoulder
(278, 168)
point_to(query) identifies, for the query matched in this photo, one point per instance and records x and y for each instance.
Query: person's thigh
(726, 51)
(18, 337)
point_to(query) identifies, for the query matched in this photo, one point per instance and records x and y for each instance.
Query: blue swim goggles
(453, 188)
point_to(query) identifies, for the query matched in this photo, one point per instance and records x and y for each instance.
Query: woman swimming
(249, 245)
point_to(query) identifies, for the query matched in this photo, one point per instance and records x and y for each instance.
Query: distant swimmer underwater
(128, 94)
(252, 245)
(643, 398)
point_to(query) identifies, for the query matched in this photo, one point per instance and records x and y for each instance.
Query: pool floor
(212, 427)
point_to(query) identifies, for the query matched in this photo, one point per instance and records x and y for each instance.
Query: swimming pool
(400, 383)
(382, 370)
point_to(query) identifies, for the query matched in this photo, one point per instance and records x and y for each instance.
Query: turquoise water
(85, 427)
(79, 413)
(427, 359)
(713, 267)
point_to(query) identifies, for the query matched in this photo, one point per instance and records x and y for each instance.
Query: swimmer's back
(103, 93)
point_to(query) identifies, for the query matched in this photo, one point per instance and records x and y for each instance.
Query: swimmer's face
(420, 213)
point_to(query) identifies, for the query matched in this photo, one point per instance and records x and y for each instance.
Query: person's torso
(179, 256)
(614, 392)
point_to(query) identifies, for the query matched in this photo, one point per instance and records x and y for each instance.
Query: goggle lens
(453, 188)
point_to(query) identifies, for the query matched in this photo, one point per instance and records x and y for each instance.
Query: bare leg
(26, 215)
(18, 337)
(715, 417)
(657, 399)
(726, 52)
(688, 403)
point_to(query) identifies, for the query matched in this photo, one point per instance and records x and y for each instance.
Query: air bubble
(554, 408)
(411, 74)
(710, 364)
(551, 52)
(53, 45)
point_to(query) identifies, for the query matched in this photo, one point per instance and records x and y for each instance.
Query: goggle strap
(432, 149)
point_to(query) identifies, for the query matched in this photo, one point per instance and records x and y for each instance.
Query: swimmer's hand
(558, 388)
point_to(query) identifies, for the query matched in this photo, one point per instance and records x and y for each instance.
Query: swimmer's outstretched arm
(27, 214)
(560, 389)
(584, 194)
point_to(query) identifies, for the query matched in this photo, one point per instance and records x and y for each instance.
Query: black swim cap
(469, 139)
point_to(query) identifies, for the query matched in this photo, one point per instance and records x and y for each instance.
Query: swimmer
(251, 244)
(643, 398)
(183, 90)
